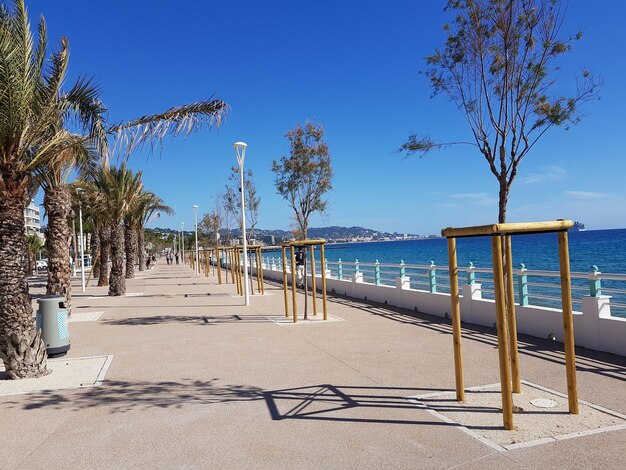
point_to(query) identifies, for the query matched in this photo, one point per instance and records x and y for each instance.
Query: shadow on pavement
(197, 319)
(605, 364)
(317, 402)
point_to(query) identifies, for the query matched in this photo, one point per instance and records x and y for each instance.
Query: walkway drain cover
(543, 403)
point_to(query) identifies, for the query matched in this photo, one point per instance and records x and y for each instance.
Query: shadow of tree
(195, 319)
(123, 396)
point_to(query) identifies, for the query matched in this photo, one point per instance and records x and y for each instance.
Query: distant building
(32, 219)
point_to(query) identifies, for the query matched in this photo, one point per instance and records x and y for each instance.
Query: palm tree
(95, 211)
(31, 101)
(34, 244)
(119, 189)
(152, 205)
(58, 206)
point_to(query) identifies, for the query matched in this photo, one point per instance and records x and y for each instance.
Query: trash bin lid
(51, 298)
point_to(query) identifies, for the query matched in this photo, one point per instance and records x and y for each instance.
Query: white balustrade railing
(600, 318)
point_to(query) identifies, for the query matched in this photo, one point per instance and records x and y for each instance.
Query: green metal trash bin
(52, 319)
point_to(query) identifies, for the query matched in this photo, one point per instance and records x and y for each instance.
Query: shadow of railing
(349, 404)
(606, 364)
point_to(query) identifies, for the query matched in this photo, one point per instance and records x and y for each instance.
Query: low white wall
(594, 328)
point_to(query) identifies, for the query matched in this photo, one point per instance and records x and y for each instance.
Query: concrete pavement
(199, 381)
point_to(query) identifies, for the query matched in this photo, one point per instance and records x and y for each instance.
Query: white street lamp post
(82, 242)
(195, 215)
(240, 151)
(182, 234)
(75, 263)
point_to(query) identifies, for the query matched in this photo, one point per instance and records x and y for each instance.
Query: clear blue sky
(353, 66)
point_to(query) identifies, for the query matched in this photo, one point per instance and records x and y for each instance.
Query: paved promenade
(199, 381)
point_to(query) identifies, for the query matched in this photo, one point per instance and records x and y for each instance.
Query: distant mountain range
(333, 233)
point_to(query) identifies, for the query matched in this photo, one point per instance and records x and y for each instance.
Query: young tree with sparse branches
(230, 209)
(252, 199)
(304, 177)
(499, 66)
(210, 225)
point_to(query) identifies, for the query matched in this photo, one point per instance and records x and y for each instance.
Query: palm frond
(68, 151)
(83, 104)
(39, 56)
(176, 121)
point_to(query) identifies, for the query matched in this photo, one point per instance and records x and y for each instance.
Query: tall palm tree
(57, 203)
(34, 244)
(119, 188)
(31, 100)
(95, 210)
(150, 205)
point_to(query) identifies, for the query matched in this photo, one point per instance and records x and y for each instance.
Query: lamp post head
(195, 206)
(240, 151)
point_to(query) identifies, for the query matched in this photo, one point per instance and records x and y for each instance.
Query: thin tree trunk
(95, 252)
(22, 350)
(105, 245)
(503, 199)
(141, 249)
(130, 246)
(57, 204)
(117, 282)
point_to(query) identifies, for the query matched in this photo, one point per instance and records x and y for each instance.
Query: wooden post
(235, 267)
(284, 250)
(456, 319)
(259, 268)
(231, 265)
(511, 320)
(293, 284)
(260, 272)
(238, 270)
(218, 262)
(313, 286)
(323, 268)
(503, 348)
(568, 323)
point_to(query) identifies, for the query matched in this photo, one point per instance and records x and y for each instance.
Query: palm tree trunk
(130, 245)
(21, 348)
(57, 205)
(141, 248)
(95, 248)
(117, 282)
(105, 245)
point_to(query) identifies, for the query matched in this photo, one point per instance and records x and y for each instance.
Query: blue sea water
(538, 252)
(603, 248)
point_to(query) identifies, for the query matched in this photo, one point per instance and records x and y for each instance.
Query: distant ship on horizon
(579, 227)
